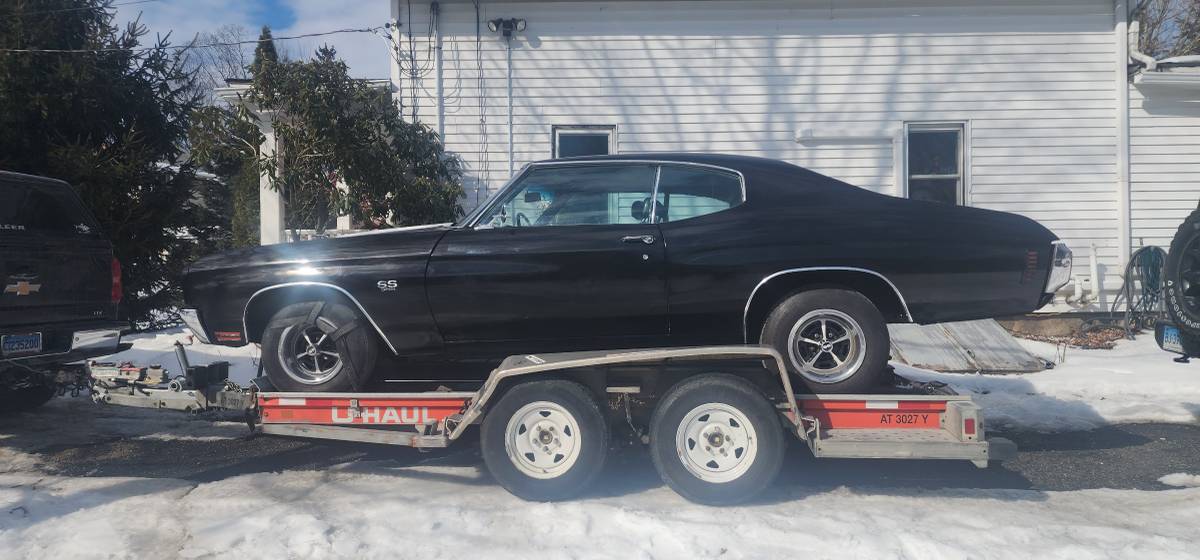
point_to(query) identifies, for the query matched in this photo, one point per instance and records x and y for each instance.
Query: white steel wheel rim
(542, 440)
(827, 346)
(716, 442)
(308, 354)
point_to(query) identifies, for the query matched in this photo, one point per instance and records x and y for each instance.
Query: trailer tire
(345, 360)
(852, 358)
(1181, 276)
(716, 440)
(545, 440)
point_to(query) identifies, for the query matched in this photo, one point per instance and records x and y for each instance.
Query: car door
(567, 257)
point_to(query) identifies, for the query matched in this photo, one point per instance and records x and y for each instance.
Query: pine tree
(264, 52)
(111, 122)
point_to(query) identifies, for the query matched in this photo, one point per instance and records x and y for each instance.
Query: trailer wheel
(545, 440)
(716, 440)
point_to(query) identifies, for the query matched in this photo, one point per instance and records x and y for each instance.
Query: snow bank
(1181, 479)
(443, 512)
(1134, 382)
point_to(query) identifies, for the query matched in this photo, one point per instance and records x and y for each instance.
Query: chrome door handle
(647, 239)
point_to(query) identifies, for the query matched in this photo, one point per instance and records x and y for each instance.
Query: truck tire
(545, 440)
(319, 346)
(1181, 276)
(25, 399)
(716, 440)
(835, 341)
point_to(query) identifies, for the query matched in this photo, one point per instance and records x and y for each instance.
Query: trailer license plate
(1171, 341)
(17, 344)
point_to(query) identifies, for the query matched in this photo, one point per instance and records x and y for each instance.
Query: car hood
(394, 242)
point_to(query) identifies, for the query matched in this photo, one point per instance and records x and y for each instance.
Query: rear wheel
(1182, 276)
(836, 341)
(319, 346)
(716, 440)
(26, 398)
(545, 440)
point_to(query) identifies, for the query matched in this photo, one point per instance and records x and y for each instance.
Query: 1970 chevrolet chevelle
(631, 251)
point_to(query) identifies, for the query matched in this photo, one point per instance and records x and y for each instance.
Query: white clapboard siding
(1033, 80)
(1164, 163)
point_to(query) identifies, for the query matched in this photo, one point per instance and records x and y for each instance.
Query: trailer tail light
(118, 289)
(969, 426)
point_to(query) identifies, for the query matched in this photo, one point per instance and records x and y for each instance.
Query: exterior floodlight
(494, 25)
(506, 27)
(520, 25)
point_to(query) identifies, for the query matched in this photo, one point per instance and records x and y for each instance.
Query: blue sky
(366, 54)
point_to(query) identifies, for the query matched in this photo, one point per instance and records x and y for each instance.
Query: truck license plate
(15, 344)
(1171, 341)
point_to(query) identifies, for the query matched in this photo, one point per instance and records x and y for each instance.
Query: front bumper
(69, 342)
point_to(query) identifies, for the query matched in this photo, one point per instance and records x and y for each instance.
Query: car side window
(689, 192)
(576, 195)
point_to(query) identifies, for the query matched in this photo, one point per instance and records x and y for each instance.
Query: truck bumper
(70, 342)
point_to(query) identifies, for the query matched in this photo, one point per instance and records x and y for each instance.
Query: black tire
(25, 399)
(1181, 275)
(591, 441)
(349, 336)
(683, 472)
(865, 357)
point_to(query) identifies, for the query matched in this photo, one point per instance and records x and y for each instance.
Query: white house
(1028, 106)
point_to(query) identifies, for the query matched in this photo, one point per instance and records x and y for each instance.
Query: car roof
(735, 162)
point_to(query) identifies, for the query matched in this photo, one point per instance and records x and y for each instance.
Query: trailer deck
(905, 421)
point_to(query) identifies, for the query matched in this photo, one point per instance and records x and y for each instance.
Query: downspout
(508, 50)
(1121, 81)
(436, 10)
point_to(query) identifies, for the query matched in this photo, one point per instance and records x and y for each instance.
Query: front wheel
(545, 440)
(319, 346)
(836, 341)
(716, 440)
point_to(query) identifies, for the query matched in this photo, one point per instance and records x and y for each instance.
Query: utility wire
(83, 9)
(184, 47)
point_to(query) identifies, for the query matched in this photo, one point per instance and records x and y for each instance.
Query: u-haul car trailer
(717, 417)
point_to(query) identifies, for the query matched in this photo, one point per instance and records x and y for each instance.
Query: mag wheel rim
(309, 355)
(716, 442)
(827, 346)
(542, 440)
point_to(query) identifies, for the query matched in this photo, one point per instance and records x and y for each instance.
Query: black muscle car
(631, 251)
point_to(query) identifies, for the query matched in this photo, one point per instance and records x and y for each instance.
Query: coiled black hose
(1145, 267)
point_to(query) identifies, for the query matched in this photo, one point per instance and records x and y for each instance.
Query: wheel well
(764, 298)
(264, 305)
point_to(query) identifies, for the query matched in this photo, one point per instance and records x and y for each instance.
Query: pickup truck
(61, 287)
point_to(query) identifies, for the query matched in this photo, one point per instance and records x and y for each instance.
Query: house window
(575, 141)
(935, 163)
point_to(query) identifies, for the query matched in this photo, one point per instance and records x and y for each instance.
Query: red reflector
(969, 426)
(117, 288)
(228, 336)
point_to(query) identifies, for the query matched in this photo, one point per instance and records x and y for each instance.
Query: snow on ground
(1182, 480)
(1134, 382)
(449, 512)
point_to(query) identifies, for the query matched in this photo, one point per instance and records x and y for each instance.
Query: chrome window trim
(564, 163)
(363, 310)
(769, 277)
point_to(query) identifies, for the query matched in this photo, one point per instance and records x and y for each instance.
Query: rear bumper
(69, 342)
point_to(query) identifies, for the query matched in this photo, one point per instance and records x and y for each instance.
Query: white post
(1121, 84)
(270, 201)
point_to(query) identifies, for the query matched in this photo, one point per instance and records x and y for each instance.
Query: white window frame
(964, 155)
(579, 129)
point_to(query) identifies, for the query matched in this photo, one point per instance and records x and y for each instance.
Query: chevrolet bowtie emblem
(22, 288)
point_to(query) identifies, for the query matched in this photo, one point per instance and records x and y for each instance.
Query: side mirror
(532, 196)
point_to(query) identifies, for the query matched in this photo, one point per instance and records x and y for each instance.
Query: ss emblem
(386, 285)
